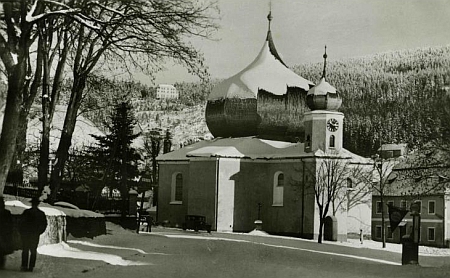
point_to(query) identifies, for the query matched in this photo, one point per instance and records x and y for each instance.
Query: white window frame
(376, 207)
(349, 184)
(278, 190)
(434, 207)
(332, 142)
(434, 233)
(173, 189)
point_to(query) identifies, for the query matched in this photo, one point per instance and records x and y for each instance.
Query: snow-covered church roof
(267, 72)
(254, 148)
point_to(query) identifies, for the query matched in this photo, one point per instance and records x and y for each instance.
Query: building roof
(392, 147)
(323, 96)
(166, 86)
(253, 148)
(267, 72)
(419, 174)
(322, 88)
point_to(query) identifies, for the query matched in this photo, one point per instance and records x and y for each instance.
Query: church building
(272, 130)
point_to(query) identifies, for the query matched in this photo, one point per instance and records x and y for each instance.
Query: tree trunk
(62, 152)
(44, 151)
(21, 142)
(16, 81)
(383, 226)
(319, 240)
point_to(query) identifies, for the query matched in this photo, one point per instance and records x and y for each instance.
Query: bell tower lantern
(323, 124)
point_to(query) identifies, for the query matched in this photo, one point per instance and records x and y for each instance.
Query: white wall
(228, 167)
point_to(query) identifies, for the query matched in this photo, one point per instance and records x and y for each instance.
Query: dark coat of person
(33, 223)
(6, 233)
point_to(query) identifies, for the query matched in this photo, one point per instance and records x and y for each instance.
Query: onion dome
(323, 96)
(233, 108)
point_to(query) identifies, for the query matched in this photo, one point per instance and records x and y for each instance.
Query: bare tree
(18, 32)
(382, 169)
(359, 187)
(133, 34)
(331, 177)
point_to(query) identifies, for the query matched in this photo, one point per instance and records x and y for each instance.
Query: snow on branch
(66, 10)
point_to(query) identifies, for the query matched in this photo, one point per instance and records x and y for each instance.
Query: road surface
(176, 253)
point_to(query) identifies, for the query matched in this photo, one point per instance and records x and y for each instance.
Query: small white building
(165, 91)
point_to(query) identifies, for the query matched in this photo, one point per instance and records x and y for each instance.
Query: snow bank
(63, 250)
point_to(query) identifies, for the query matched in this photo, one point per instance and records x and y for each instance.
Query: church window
(177, 189)
(349, 183)
(332, 141)
(278, 189)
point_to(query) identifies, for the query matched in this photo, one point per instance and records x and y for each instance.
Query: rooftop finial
(324, 62)
(269, 16)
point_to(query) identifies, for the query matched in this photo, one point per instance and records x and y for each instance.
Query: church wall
(359, 218)
(202, 189)
(174, 213)
(254, 184)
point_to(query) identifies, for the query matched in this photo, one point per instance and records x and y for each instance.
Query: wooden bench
(196, 223)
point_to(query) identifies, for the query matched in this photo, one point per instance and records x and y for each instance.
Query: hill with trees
(392, 97)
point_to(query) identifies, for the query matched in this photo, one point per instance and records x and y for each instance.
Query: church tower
(323, 124)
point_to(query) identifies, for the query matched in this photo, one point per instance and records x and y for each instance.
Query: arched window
(278, 189)
(177, 189)
(332, 141)
(349, 184)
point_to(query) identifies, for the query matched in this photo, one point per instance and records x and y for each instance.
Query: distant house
(165, 91)
(421, 178)
(392, 150)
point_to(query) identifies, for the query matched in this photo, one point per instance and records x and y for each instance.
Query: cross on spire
(324, 62)
(269, 16)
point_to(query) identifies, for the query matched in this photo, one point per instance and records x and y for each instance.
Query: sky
(301, 29)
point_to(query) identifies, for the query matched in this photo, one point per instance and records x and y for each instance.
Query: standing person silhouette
(6, 228)
(32, 224)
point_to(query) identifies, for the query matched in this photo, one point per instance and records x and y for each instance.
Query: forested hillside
(392, 97)
(183, 118)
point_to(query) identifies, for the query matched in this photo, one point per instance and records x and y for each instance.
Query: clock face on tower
(332, 125)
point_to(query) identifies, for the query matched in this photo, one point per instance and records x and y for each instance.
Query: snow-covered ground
(64, 250)
(423, 250)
